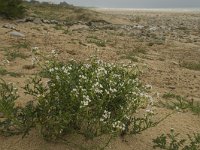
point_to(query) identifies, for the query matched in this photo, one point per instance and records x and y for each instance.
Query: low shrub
(179, 103)
(172, 141)
(12, 8)
(91, 99)
(13, 54)
(191, 65)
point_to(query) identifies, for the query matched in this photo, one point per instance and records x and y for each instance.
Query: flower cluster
(86, 101)
(91, 99)
(105, 116)
(119, 125)
(96, 94)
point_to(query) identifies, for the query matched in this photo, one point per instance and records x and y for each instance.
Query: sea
(153, 9)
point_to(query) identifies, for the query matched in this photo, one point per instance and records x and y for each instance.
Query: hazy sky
(134, 3)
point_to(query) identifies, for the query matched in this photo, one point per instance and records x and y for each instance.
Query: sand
(168, 39)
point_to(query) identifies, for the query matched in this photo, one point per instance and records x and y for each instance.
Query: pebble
(16, 34)
(9, 26)
(172, 87)
(37, 21)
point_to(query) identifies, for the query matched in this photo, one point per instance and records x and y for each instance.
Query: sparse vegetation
(179, 103)
(58, 27)
(130, 55)
(28, 67)
(172, 141)
(90, 99)
(67, 32)
(95, 40)
(133, 53)
(136, 19)
(13, 54)
(191, 65)
(88, 102)
(12, 8)
(20, 45)
(74, 14)
(4, 72)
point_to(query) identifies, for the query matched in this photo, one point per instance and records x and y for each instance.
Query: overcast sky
(134, 3)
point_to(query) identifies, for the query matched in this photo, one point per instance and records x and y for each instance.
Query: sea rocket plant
(92, 99)
(98, 96)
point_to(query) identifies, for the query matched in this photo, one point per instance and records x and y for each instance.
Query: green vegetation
(12, 8)
(172, 141)
(20, 45)
(136, 19)
(71, 13)
(3, 72)
(177, 102)
(13, 54)
(171, 95)
(28, 67)
(95, 40)
(58, 27)
(67, 32)
(91, 99)
(133, 53)
(191, 65)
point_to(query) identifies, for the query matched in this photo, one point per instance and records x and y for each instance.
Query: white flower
(6, 61)
(106, 114)
(33, 60)
(51, 70)
(65, 71)
(63, 67)
(177, 108)
(87, 98)
(100, 86)
(116, 76)
(82, 77)
(53, 84)
(87, 66)
(98, 90)
(134, 93)
(53, 52)
(107, 92)
(69, 68)
(74, 90)
(150, 111)
(61, 131)
(148, 86)
(124, 65)
(113, 90)
(86, 101)
(101, 70)
(57, 77)
(119, 125)
(101, 119)
(150, 98)
(142, 94)
(35, 48)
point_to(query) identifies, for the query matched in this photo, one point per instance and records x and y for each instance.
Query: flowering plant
(91, 99)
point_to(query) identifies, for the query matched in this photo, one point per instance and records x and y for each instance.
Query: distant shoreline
(151, 9)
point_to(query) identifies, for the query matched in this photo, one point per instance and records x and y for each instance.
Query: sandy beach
(164, 43)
